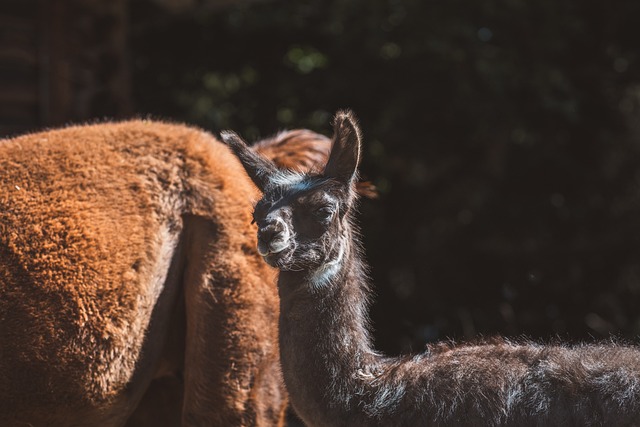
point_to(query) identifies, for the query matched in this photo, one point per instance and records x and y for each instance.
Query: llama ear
(258, 168)
(345, 151)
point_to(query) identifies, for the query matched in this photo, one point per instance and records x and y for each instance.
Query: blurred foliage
(503, 135)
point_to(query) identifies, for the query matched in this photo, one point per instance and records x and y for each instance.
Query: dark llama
(334, 376)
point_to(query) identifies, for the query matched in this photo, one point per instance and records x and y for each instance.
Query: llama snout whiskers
(295, 266)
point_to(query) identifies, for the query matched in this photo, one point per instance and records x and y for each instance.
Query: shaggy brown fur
(334, 375)
(128, 266)
(299, 149)
(304, 151)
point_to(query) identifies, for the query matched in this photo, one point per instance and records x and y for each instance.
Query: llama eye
(323, 214)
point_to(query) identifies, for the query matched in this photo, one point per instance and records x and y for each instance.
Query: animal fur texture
(130, 284)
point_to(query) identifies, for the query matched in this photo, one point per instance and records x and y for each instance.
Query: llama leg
(232, 375)
(161, 405)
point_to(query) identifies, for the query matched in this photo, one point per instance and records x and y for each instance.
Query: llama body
(336, 378)
(130, 283)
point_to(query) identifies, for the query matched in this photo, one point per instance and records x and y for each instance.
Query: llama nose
(272, 238)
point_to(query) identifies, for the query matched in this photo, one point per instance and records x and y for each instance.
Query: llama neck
(324, 340)
(335, 378)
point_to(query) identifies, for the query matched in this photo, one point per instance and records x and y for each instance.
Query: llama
(335, 377)
(130, 287)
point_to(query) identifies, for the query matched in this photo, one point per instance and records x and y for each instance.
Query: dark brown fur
(128, 274)
(336, 378)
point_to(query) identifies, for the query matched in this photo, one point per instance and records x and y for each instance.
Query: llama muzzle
(273, 238)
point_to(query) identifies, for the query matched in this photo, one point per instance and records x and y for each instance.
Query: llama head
(302, 218)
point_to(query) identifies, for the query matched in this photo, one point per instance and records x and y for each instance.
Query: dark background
(503, 136)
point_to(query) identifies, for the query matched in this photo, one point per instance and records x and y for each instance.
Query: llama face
(302, 218)
(299, 225)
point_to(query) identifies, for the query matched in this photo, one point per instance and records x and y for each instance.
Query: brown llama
(130, 286)
(335, 377)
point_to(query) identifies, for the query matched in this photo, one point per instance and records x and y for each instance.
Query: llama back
(90, 219)
(505, 384)
(303, 150)
(298, 149)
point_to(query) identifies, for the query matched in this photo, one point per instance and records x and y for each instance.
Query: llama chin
(328, 271)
